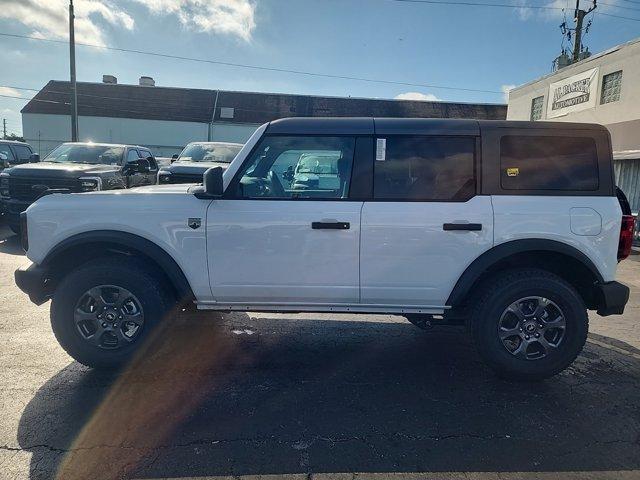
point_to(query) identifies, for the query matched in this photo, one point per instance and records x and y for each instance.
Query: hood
(193, 167)
(146, 190)
(50, 169)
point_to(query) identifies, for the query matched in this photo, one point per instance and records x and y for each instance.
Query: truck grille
(21, 188)
(186, 178)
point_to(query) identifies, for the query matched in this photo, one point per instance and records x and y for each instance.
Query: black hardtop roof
(408, 126)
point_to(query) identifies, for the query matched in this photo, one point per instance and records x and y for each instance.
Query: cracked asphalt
(311, 396)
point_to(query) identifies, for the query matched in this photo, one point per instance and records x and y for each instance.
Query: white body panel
(524, 217)
(406, 256)
(157, 213)
(265, 251)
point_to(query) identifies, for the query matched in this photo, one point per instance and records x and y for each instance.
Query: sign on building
(573, 94)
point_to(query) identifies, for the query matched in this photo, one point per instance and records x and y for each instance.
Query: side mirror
(140, 165)
(174, 157)
(144, 166)
(212, 181)
(34, 158)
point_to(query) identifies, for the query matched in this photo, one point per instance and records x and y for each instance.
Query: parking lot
(311, 396)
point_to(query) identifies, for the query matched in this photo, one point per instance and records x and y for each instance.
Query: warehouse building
(605, 89)
(165, 119)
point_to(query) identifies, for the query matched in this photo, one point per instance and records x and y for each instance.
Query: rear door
(425, 223)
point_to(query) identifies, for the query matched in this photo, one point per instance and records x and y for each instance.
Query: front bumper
(613, 296)
(33, 281)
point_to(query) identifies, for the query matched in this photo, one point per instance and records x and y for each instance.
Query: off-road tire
(155, 299)
(500, 291)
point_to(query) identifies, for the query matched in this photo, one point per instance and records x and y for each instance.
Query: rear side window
(426, 169)
(548, 163)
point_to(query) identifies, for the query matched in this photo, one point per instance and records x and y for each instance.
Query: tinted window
(132, 156)
(4, 148)
(548, 163)
(298, 167)
(426, 168)
(23, 153)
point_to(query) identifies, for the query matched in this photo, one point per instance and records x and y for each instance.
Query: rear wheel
(529, 324)
(103, 311)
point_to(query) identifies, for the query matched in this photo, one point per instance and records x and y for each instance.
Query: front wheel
(103, 311)
(529, 324)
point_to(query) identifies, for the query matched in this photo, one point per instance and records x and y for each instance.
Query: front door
(425, 224)
(286, 232)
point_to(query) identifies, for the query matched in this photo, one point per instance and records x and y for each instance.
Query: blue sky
(462, 47)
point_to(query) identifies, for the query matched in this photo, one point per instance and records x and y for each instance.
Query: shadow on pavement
(238, 396)
(9, 242)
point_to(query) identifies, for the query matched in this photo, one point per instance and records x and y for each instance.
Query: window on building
(548, 163)
(611, 86)
(536, 108)
(426, 168)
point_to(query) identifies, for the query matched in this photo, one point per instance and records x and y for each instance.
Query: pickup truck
(514, 229)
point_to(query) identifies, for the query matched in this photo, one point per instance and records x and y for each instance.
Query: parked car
(513, 228)
(195, 159)
(15, 153)
(75, 167)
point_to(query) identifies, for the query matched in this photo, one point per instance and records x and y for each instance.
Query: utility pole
(72, 66)
(4, 128)
(579, 18)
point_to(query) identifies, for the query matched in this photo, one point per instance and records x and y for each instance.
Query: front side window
(92, 154)
(132, 155)
(297, 168)
(548, 163)
(209, 152)
(611, 87)
(536, 108)
(426, 168)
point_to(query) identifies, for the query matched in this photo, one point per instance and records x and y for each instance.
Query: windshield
(209, 152)
(317, 164)
(93, 154)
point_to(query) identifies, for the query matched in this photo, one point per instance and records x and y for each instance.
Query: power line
(256, 67)
(508, 5)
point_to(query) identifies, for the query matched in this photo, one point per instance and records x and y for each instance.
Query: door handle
(462, 226)
(330, 225)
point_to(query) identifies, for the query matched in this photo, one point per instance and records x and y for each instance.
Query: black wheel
(15, 229)
(103, 311)
(529, 324)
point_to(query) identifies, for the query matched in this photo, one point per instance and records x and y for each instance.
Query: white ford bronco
(512, 228)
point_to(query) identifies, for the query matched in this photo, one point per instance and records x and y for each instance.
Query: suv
(512, 228)
(195, 159)
(15, 153)
(75, 167)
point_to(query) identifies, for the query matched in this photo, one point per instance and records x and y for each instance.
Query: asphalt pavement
(311, 396)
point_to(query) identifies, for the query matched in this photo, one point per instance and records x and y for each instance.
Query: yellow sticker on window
(513, 172)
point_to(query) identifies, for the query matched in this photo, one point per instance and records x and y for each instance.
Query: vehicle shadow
(238, 396)
(9, 242)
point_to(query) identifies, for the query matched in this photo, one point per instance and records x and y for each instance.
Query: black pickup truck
(75, 167)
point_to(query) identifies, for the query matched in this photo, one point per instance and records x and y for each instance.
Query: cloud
(425, 97)
(50, 19)
(505, 91)
(9, 91)
(232, 17)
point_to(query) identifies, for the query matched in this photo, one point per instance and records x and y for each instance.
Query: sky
(464, 48)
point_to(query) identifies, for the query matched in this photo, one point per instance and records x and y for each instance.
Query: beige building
(605, 89)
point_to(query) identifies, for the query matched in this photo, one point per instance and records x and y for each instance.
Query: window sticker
(381, 149)
(513, 172)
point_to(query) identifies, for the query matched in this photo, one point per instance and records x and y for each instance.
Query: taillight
(626, 236)
(24, 234)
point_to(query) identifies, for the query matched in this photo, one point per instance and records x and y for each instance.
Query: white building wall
(621, 117)
(45, 132)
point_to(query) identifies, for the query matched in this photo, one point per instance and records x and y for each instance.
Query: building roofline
(609, 51)
(116, 85)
